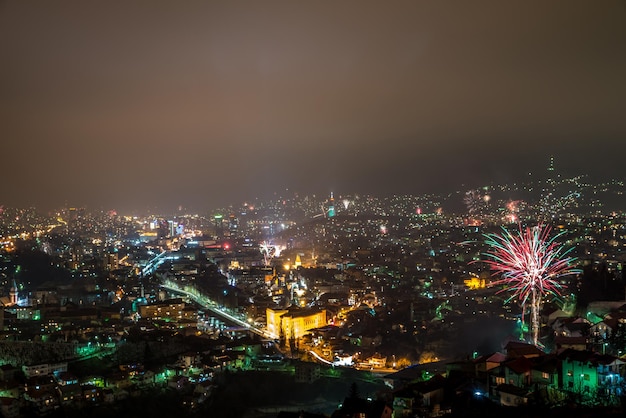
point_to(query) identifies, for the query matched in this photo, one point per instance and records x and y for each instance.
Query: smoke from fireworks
(529, 262)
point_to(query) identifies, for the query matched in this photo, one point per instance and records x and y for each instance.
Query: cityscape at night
(422, 302)
(312, 209)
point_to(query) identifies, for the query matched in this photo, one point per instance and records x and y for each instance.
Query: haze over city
(322, 209)
(144, 105)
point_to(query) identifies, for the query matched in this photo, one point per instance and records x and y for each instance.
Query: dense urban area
(314, 306)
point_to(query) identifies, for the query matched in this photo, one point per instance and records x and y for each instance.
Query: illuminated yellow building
(475, 283)
(294, 322)
(171, 310)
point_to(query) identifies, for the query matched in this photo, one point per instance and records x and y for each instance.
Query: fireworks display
(529, 263)
(512, 211)
(473, 200)
(269, 251)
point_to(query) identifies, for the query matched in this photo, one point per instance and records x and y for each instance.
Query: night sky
(139, 105)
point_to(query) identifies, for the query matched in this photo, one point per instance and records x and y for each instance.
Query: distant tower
(549, 190)
(13, 294)
(331, 206)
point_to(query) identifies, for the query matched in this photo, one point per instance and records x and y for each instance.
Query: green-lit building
(591, 374)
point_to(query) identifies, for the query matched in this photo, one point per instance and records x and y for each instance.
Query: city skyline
(133, 105)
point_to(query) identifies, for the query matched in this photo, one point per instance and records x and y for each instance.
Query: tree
(354, 391)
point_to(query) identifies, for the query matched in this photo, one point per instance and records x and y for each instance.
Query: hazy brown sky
(140, 104)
